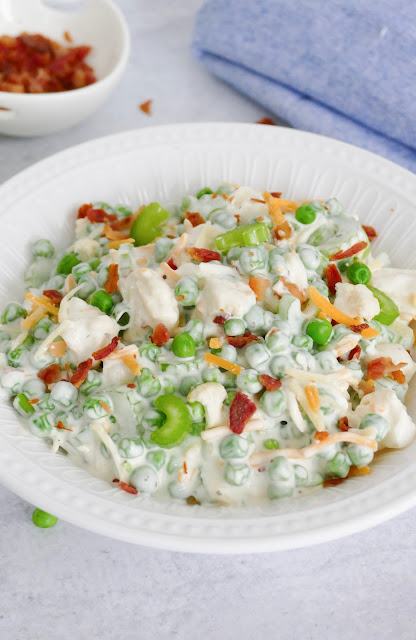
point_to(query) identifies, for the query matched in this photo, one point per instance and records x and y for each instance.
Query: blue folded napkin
(343, 68)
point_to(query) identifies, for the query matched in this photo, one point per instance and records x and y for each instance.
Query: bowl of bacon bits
(57, 66)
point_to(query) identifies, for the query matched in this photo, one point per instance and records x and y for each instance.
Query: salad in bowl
(232, 349)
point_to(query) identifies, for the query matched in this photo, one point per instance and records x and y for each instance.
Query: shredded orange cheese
(259, 286)
(224, 364)
(105, 406)
(369, 332)
(117, 243)
(359, 471)
(215, 343)
(33, 318)
(312, 396)
(132, 364)
(114, 235)
(275, 211)
(42, 302)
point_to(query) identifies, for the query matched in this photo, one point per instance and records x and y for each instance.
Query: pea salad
(233, 349)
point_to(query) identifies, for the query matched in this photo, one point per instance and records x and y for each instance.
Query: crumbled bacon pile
(31, 63)
(105, 351)
(333, 276)
(271, 384)
(160, 335)
(241, 341)
(383, 366)
(241, 410)
(80, 374)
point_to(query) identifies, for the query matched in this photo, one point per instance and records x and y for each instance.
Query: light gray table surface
(67, 583)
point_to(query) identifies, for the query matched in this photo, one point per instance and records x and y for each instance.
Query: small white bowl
(97, 23)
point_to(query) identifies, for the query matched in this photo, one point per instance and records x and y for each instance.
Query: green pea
(67, 263)
(277, 341)
(150, 351)
(102, 300)
(321, 287)
(338, 466)
(278, 365)
(280, 469)
(156, 458)
(146, 226)
(301, 474)
(327, 361)
(204, 192)
(359, 273)
(234, 327)
(212, 374)
(144, 479)
(273, 403)
(256, 354)
(12, 312)
(248, 380)
(64, 393)
(310, 257)
(196, 329)
(153, 419)
(43, 248)
(360, 456)
(16, 357)
(94, 264)
(377, 422)
(236, 474)
(271, 444)
(227, 351)
(255, 318)
(34, 388)
(253, 259)
(187, 292)
(319, 330)
(102, 275)
(196, 411)
(93, 406)
(281, 490)
(187, 384)
(334, 207)
(42, 328)
(183, 345)
(303, 342)
(233, 446)
(130, 447)
(162, 248)
(43, 520)
(22, 405)
(223, 219)
(148, 384)
(305, 214)
(80, 269)
(41, 425)
(230, 396)
(46, 404)
(93, 380)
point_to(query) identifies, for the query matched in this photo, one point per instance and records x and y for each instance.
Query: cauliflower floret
(385, 403)
(203, 236)
(221, 295)
(400, 286)
(116, 373)
(86, 247)
(246, 208)
(396, 352)
(356, 300)
(295, 273)
(151, 301)
(211, 395)
(85, 329)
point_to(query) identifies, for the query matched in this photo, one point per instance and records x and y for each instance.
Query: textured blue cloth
(343, 68)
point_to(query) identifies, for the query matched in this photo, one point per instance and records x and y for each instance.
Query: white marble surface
(66, 583)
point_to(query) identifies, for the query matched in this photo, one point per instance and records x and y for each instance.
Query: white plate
(164, 163)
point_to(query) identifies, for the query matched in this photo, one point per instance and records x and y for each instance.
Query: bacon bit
(399, 376)
(271, 384)
(358, 328)
(82, 211)
(257, 200)
(160, 335)
(366, 386)
(116, 480)
(358, 471)
(105, 406)
(116, 243)
(68, 36)
(179, 298)
(203, 255)
(381, 366)
(224, 195)
(171, 264)
(294, 290)
(192, 500)
(146, 107)
(131, 385)
(51, 374)
(54, 296)
(80, 374)
(112, 234)
(61, 425)
(194, 218)
(220, 319)
(259, 286)
(214, 195)
(332, 482)
(214, 343)
(224, 364)
(371, 232)
(111, 283)
(125, 223)
(343, 424)
(241, 341)
(355, 353)
(312, 396)
(185, 467)
(321, 435)
(128, 488)
(105, 351)
(99, 216)
(266, 120)
(132, 364)
(276, 194)
(333, 276)
(241, 410)
(352, 251)
(33, 401)
(57, 349)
